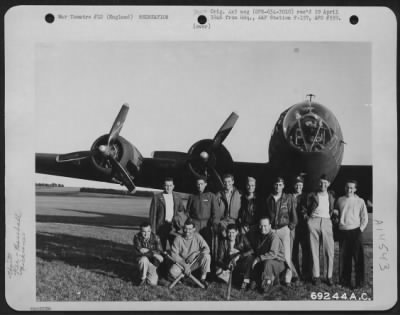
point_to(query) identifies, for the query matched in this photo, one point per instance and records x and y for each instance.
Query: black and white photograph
(203, 169)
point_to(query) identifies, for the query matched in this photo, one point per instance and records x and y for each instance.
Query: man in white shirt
(319, 207)
(167, 213)
(353, 219)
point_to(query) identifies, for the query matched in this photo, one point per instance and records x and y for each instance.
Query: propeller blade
(118, 123)
(74, 156)
(218, 180)
(123, 174)
(225, 129)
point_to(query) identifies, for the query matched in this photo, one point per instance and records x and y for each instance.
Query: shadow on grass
(100, 256)
(100, 219)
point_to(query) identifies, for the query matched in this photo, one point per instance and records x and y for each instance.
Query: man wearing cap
(319, 207)
(250, 209)
(353, 219)
(300, 235)
(280, 207)
(167, 213)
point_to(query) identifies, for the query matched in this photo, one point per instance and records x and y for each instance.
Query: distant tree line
(49, 185)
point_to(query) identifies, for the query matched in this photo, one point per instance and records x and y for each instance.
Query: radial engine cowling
(205, 158)
(122, 150)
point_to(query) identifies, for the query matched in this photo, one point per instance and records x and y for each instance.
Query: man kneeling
(269, 253)
(234, 255)
(148, 249)
(191, 252)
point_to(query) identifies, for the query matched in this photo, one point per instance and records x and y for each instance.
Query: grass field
(84, 253)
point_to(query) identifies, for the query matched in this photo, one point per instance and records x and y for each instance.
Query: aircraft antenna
(310, 96)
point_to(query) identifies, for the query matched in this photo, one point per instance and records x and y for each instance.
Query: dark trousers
(166, 238)
(302, 239)
(269, 269)
(351, 247)
(243, 266)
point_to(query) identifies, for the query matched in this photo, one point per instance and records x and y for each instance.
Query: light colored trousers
(284, 234)
(321, 234)
(148, 270)
(203, 262)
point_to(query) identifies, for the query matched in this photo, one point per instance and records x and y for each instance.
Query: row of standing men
(228, 221)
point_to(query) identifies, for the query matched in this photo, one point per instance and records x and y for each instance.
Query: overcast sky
(181, 92)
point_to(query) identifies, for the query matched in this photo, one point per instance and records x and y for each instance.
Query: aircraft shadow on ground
(101, 219)
(99, 256)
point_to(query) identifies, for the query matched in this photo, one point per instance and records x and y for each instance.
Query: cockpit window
(309, 126)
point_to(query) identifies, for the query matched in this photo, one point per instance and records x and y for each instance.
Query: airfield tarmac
(84, 252)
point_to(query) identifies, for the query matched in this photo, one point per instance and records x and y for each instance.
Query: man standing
(167, 213)
(229, 201)
(147, 247)
(250, 208)
(319, 210)
(280, 207)
(235, 255)
(203, 209)
(353, 219)
(269, 253)
(300, 235)
(191, 252)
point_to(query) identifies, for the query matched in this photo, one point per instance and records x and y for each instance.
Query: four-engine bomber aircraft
(307, 139)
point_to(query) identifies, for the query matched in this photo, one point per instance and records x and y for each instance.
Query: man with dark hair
(229, 201)
(269, 254)
(167, 213)
(203, 209)
(234, 255)
(191, 252)
(250, 208)
(147, 247)
(300, 235)
(280, 207)
(319, 207)
(353, 219)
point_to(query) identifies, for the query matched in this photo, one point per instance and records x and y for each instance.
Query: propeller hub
(204, 156)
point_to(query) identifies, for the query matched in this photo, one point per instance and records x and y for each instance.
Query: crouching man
(148, 251)
(269, 253)
(191, 252)
(234, 255)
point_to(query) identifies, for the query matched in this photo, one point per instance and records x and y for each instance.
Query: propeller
(204, 155)
(118, 123)
(224, 131)
(106, 154)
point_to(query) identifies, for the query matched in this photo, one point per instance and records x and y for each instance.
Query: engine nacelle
(122, 150)
(203, 155)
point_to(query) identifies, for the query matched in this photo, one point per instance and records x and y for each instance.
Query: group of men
(254, 239)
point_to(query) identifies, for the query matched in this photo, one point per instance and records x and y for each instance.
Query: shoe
(205, 283)
(266, 286)
(253, 285)
(244, 286)
(295, 279)
(316, 281)
(359, 285)
(143, 283)
(163, 282)
(329, 282)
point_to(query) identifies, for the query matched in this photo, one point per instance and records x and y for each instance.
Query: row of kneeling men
(256, 240)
